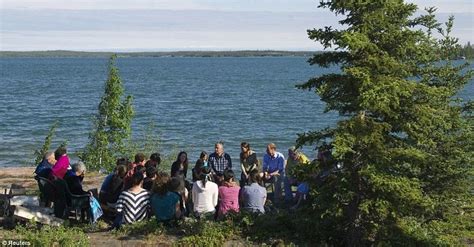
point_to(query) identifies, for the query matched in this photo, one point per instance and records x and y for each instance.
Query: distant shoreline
(85, 54)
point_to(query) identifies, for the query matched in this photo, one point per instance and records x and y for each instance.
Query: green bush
(207, 233)
(52, 236)
(145, 227)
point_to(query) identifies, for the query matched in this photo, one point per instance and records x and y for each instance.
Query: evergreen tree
(112, 124)
(403, 151)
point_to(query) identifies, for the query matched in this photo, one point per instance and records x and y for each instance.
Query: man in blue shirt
(219, 161)
(274, 168)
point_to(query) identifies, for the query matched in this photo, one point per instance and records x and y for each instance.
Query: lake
(193, 102)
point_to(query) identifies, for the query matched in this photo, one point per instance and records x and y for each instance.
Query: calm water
(192, 101)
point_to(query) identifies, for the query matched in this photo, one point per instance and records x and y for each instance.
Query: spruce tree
(112, 124)
(403, 151)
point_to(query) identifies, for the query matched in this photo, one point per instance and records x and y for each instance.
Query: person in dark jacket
(44, 167)
(110, 191)
(180, 166)
(74, 179)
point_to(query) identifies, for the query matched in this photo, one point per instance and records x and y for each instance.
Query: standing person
(133, 204)
(295, 158)
(165, 203)
(228, 195)
(44, 167)
(219, 161)
(180, 166)
(274, 168)
(253, 196)
(205, 194)
(248, 162)
(62, 165)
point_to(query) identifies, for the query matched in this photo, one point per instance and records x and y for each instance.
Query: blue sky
(151, 25)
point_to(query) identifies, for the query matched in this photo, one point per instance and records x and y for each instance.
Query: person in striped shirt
(133, 204)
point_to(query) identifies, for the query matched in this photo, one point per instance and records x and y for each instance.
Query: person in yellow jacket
(295, 157)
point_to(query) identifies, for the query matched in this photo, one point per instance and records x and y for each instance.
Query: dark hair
(150, 171)
(139, 157)
(176, 184)
(121, 170)
(247, 146)
(175, 166)
(205, 173)
(156, 157)
(137, 178)
(203, 154)
(60, 151)
(140, 169)
(122, 161)
(160, 185)
(151, 163)
(228, 175)
(179, 161)
(254, 177)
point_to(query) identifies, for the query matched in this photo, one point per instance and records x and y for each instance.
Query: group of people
(137, 190)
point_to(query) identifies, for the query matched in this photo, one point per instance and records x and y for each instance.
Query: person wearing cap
(274, 168)
(295, 157)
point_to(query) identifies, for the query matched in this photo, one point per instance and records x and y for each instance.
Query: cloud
(210, 24)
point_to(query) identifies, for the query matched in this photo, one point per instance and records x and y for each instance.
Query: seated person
(301, 194)
(202, 161)
(228, 194)
(151, 175)
(205, 194)
(151, 163)
(253, 196)
(110, 191)
(44, 167)
(274, 168)
(295, 158)
(139, 161)
(108, 178)
(180, 166)
(74, 179)
(156, 159)
(177, 185)
(62, 164)
(138, 169)
(133, 204)
(164, 203)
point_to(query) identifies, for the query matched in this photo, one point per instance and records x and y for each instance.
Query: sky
(168, 25)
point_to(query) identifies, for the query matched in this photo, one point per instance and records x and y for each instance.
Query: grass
(52, 236)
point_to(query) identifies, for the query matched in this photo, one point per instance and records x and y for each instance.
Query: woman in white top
(205, 194)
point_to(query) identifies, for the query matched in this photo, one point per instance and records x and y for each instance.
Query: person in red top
(139, 161)
(228, 195)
